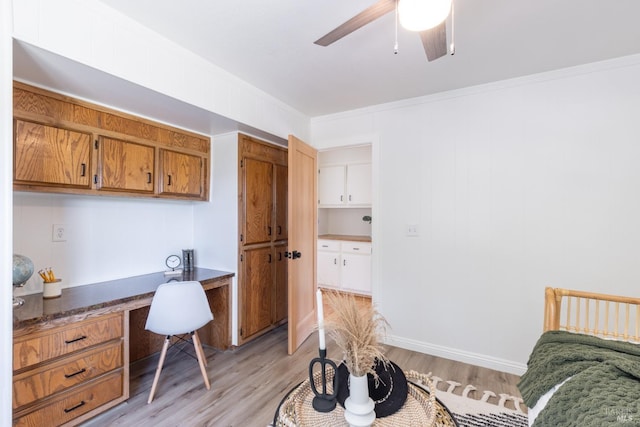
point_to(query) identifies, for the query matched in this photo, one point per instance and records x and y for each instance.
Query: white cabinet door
(331, 186)
(359, 184)
(329, 269)
(356, 273)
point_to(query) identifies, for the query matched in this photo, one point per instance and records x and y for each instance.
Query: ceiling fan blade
(370, 14)
(434, 41)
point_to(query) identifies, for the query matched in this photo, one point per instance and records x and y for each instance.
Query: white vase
(359, 408)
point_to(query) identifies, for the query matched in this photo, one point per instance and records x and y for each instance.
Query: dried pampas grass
(358, 331)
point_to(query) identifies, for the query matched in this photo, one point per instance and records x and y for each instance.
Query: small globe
(22, 269)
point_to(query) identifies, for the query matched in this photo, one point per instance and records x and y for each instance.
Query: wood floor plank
(248, 383)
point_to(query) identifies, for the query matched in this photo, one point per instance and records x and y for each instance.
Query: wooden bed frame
(605, 316)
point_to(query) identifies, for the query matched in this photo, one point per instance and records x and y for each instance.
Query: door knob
(296, 254)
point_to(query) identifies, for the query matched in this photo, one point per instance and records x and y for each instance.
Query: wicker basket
(421, 408)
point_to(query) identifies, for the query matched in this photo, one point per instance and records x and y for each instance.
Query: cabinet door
(258, 201)
(281, 290)
(281, 232)
(257, 290)
(181, 174)
(51, 156)
(125, 166)
(356, 273)
(331, 186)
(329, 269)
(359, 184)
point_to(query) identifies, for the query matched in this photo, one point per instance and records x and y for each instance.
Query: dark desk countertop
(81, 299)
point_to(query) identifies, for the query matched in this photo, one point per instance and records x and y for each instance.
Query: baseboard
(485, 361)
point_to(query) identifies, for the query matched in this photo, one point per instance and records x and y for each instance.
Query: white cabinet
(345, 265)
(345, 185)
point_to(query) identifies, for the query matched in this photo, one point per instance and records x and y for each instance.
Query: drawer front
(74, 403)
(61, 375)
(356, 248)
(328, 245)
(40, 347)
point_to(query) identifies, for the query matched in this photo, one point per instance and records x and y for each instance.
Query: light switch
(412, 230)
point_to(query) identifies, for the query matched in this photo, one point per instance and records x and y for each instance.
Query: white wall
(6, 182)
(107, 237)
(216, 222)
(515, 186)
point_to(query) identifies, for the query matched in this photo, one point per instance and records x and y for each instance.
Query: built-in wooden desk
(71, 354)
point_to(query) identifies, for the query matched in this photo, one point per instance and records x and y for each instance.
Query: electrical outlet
(412, 230)
(59, 233)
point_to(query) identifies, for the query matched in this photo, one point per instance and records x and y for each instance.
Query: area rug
(472, 407)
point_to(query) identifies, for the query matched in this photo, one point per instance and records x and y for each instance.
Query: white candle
(320, 319)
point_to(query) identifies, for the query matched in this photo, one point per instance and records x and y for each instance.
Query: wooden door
(303, 232)
(282, 175)
(126, 165)
(280, 299)
(258, 201)
(257, 290)
(51, 156)
(181, 174)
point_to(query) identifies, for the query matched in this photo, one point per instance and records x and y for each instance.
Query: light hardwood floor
(248, 383)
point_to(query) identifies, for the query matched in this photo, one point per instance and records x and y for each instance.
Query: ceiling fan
(434, 37)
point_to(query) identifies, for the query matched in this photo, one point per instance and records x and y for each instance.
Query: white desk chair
(179, 308)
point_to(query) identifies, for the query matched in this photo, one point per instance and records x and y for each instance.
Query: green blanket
(604, 389)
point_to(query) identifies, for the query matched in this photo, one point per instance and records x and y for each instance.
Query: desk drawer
(356, 248)
(55, 377)
(46, 345)
(74, 403)
(328, 245)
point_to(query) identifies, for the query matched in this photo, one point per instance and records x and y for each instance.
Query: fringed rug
(480, 408)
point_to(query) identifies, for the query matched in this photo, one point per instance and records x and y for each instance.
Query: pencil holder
(52, 289)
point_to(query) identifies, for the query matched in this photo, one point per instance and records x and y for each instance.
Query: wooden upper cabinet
(65, 145)
(258, 198)
(125, 165)
(181, 174)
(51, 156)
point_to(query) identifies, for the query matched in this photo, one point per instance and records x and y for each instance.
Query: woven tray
(421, 409)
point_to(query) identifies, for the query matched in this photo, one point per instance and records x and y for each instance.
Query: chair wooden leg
(204, 359)
(163, 354)
(200, 356)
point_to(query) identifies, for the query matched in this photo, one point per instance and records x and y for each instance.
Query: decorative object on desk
(367, 218)
(173, 262)
(188, 259)
(358, 332)
(323, 401)
(51, 286)
(22, 271)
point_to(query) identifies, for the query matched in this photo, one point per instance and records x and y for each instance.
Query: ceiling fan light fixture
(421, 15)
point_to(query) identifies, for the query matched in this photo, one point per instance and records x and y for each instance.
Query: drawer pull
(83, 337)
(82, 403)
(75, 373)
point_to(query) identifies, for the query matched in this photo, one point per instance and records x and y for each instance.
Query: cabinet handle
(344, 262)
(269, 230)
(75, 373)
(325, 246)
(169, 183)
(356, 249)
(269, 258)
(335, 261)
(279, 230)
(279, 256)
(148, 177)
(83, 337)
(83, 169)
(82, 403)
(341, 198)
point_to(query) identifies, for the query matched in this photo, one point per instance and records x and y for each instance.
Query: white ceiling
(270, 44)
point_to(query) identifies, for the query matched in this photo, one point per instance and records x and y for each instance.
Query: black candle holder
(323, 402)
